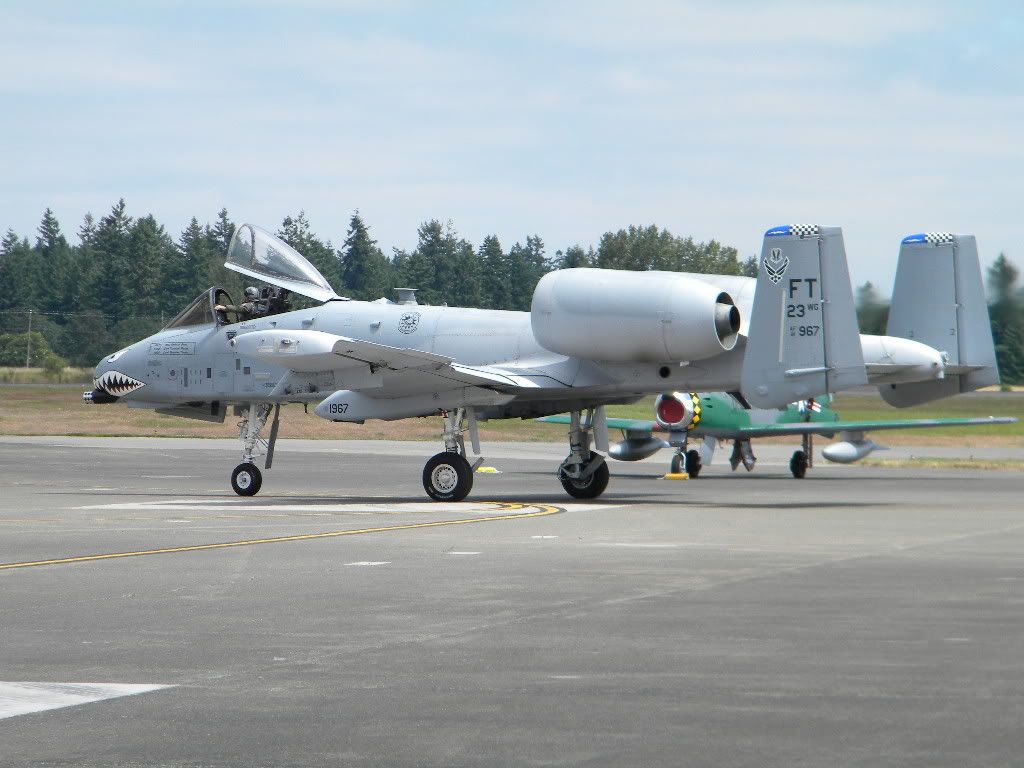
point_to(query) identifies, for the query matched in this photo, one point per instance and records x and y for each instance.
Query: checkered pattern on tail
(803, 230)
(938, 238)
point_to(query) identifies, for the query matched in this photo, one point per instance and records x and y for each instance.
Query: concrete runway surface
(859, 617)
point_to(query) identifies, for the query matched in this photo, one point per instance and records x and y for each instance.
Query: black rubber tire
(798, 464)
(590, 488)
(693, 463)
(447, 477)
(246, 480)
(678, 464)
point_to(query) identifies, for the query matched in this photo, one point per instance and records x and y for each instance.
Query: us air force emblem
(409, 322)
(775, 265)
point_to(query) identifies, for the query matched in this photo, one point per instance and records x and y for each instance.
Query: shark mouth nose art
(117, 384)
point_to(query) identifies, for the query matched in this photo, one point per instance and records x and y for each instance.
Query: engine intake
(620, 316)
(678, 410)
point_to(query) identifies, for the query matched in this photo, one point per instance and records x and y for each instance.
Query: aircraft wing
(309, 351)
(827, 428)
(629, 425)
(832, 427)
(318, 351)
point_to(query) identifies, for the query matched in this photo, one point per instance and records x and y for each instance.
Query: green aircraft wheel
(693, 463)
(448, 477)
(246, 479)
(798, 464)
(588, 488)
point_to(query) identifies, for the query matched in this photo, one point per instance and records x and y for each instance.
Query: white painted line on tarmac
(272, 505)
(543, 537)
(25, 698)
(462, 553)
(370, 563)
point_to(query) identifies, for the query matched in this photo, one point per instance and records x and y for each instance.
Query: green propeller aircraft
(720, 416)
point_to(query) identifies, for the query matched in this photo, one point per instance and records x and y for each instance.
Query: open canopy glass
(256, 253)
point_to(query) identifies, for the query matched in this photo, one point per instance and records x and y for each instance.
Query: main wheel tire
(590, 487)
(246, 479)
(678, 464)
(693, 463)
(447, 477)
(798, 464)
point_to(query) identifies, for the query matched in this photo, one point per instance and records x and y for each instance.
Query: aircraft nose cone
(109, 377)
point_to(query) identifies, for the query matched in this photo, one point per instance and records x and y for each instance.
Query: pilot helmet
(251, 294)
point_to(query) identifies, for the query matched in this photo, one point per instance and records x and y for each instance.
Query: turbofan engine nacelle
(849, 451)
(627, 317)
(678, 410)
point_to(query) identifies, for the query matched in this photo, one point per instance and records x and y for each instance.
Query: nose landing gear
(448, 476)
(246, 479)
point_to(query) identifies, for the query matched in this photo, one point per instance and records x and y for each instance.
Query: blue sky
(717, 120)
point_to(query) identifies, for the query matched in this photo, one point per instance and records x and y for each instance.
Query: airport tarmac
(150, 617)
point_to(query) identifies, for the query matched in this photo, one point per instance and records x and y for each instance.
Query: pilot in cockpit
(250, 308)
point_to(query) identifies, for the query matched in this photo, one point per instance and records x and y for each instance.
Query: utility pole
(28, 347)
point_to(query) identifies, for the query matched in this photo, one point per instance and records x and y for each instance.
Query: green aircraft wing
(827, 428)
(833, 427)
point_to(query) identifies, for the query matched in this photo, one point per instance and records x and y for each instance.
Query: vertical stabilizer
(803, 338)
(939, 300)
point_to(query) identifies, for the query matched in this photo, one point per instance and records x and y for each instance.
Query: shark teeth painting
(117, 384)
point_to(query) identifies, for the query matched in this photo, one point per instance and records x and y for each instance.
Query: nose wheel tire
(246, 479)
(589, 487)
(447, 477)
(677, 465)
(693, 463)
(798, 464)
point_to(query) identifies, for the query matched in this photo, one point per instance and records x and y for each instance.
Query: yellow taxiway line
(542, 510)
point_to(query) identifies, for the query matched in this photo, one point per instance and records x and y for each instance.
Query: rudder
(803, 338)
(938, 299)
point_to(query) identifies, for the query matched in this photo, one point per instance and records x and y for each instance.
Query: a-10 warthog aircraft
(593, 337)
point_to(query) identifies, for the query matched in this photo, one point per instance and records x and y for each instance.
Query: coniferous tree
(575, 256)
(109, 279)
(58, 263)
(1006, 312)
(496, 280)
(221, 232)
(527, 265)
(872, 312)
(150, 248)
(298, 234)
(365, 271)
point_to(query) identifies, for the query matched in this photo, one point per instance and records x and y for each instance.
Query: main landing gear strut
(448, 476)
(247, 479)
(583, 474)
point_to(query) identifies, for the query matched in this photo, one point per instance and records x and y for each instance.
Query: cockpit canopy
(256, 253)
(201, 310)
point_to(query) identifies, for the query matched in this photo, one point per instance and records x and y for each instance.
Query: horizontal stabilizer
(939, 300)
(803, 338)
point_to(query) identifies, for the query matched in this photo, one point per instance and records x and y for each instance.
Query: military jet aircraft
(718, 416)
(593, 337)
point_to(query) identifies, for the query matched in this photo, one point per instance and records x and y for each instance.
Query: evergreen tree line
(1006, 314)
(127, 276)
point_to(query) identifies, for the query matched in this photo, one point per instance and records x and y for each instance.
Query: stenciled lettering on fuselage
(169, 348)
